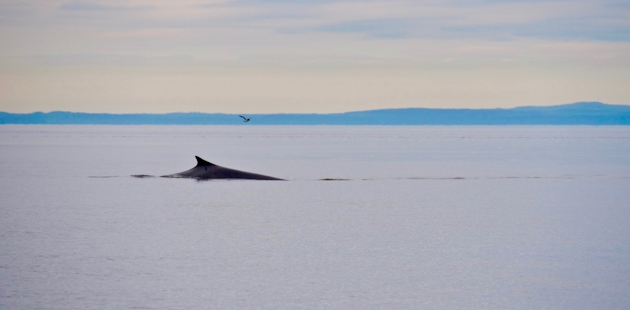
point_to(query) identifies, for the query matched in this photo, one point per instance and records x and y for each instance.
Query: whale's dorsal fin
(202, 162)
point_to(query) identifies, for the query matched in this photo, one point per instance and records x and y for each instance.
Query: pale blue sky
(253, 56)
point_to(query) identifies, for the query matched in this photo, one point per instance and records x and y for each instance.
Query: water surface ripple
(417, 217)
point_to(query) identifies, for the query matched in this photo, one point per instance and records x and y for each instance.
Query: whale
(207, 171)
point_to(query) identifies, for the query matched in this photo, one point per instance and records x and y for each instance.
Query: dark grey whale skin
(208, 171)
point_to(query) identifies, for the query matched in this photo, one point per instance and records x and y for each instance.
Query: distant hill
(580, 113)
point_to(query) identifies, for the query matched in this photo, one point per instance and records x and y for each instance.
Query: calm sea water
(429, 218)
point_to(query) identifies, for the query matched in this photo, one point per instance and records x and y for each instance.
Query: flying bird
(245, 119)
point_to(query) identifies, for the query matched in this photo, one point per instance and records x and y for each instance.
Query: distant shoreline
(580, 113)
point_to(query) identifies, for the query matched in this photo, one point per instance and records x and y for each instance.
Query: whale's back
(206, 171)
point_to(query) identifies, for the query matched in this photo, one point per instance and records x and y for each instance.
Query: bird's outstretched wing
(243, 116)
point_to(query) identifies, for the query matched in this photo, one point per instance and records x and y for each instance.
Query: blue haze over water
(581, 113)
(429, 217)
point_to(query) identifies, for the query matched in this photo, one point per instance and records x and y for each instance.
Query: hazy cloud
(374, 41)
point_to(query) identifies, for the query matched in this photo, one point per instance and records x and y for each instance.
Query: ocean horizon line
(579, 113)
